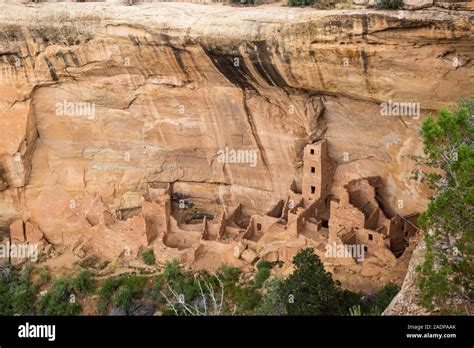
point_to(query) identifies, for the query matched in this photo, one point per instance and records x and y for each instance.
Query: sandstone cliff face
(407, 302)
(162, 88)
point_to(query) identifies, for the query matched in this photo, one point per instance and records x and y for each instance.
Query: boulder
(249, 256)
(32, 233)
(142, 309)
(271, 256)
(118, 311)
(17, 231)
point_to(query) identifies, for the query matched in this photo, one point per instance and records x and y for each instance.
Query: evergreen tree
(310, 290)
(447, 273)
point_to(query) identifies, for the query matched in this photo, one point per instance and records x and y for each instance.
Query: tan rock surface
(17, 231)
(407, 302)
(32, 233)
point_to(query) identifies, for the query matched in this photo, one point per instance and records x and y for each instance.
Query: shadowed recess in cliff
(263, 64)
(179, 60)
(52, 71)
(232, 67)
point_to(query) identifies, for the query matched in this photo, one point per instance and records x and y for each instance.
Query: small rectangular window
(313, 170)
(371, 237)
(313, 189)
(259, 226)
(311, 151)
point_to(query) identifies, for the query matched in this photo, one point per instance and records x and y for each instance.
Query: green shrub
(83, 283)
(260, 277)
(123, 298)
(243, 2)
(120, 291)
(44, 277)
(246, 298)
(187, 286)
(135, 284)
(5, 303)
(22, 293)
(264, 264)
(25, 273)
(154, 292)
(384, 296)
(59, 300)
(355, 311)
(300, 2)
(389, 4)
(172, 270)
(17, 293)
(168, 311)
(347, 299)
(310, 290)
(148, 257)
(210, 279)
(228, 274)
(272, 303)
(108, 287)
(102, 307)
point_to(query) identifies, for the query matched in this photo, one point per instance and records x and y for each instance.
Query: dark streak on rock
(73, 58)
(365, 59)
(134, 40)
(365, 27)
(237, 75)
(318, 69)
(263, 64)
(51, 69)
(179, 60)
(63, 58)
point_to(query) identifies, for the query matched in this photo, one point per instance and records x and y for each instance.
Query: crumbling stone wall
(112, 237)
(179, 238)
(357, 218)
(344, 217)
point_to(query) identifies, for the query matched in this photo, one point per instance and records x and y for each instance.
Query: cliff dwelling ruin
(176, 229)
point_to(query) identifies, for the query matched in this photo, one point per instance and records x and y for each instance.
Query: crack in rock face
(120, 124)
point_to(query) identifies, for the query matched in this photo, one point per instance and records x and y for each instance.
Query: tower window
(313, 189)
(259, 226)
(313, 170)
(311, 151)
(371, 236)
(365, 249)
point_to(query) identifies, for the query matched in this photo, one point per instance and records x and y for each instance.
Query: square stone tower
(317, 173)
